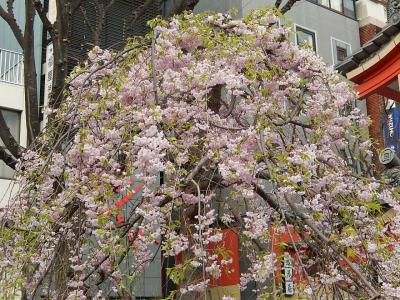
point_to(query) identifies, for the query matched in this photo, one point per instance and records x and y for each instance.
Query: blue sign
(391, 129)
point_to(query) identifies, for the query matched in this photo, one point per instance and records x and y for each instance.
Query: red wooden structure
(379, 74)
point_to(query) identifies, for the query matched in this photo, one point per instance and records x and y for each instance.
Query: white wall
(12, 97)
(371, 12)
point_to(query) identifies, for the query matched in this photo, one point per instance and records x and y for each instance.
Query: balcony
(12, 103)
(11, 67)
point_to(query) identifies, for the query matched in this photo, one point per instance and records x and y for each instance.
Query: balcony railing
(11, 67)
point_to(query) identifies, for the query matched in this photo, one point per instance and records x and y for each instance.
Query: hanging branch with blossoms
(246, 130)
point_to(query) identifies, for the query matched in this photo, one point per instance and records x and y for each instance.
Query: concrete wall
(219, 6)
(12, 97)
(326, 23)
(371, 12)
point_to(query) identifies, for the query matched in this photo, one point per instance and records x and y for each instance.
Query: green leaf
(373, 207)
(350, 252)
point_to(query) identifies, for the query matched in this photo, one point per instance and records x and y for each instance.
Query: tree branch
(10, 19)
(278, 3)
(30, 76)
(7, 158)
(108, 6)
(89, 25)
(137, 219)
(325, 239)
(75, 4)
(276, 206)
(9, 141)
(288, 6)
(43, 17)
(139, 12)
(182, 5)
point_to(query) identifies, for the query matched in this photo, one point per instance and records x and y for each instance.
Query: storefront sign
(391, 129)
(288, 274)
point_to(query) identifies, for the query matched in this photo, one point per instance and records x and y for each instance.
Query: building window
(348, 8)
(305, 37)
(337, 5)
(13, 120)
(324, 3)
(345, 7)
(340, 51)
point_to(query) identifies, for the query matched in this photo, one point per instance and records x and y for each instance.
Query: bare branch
(12, 22)
(75, 4)
(197, 169)
(7, 158)
(8, 139)
(108, 6)
(288, 6)
(89, 25)
(278, 3)
(139, 12)
(153, 66)
(269, 199)
(43, 17)
(182, 5)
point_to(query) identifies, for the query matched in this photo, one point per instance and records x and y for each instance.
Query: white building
(12, 101)
(12, 106)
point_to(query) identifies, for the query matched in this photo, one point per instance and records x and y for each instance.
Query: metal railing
(11, 67)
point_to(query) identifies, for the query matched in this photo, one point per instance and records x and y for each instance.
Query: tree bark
(30, 83)
(60, 40)
(182, 5)
(7, 158)
(9, 141)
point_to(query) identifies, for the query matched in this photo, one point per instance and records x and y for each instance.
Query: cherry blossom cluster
(245, 129)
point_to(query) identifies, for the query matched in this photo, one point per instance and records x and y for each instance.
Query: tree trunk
(60, 40)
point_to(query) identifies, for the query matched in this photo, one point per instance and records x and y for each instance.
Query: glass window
(345, 7)
(13, 120)
(305, 37)
(340, 51)
(348, 7)
(337, 5)
(324, 2)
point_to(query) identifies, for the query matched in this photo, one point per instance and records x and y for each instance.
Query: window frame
(19, 112)
(354, 10)
(333, 49)
(336, 11)
(305, 29)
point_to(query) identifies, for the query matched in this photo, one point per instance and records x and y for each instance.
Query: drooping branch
(121, 130)
(295, 212)
(138, 218)
(324, 238)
